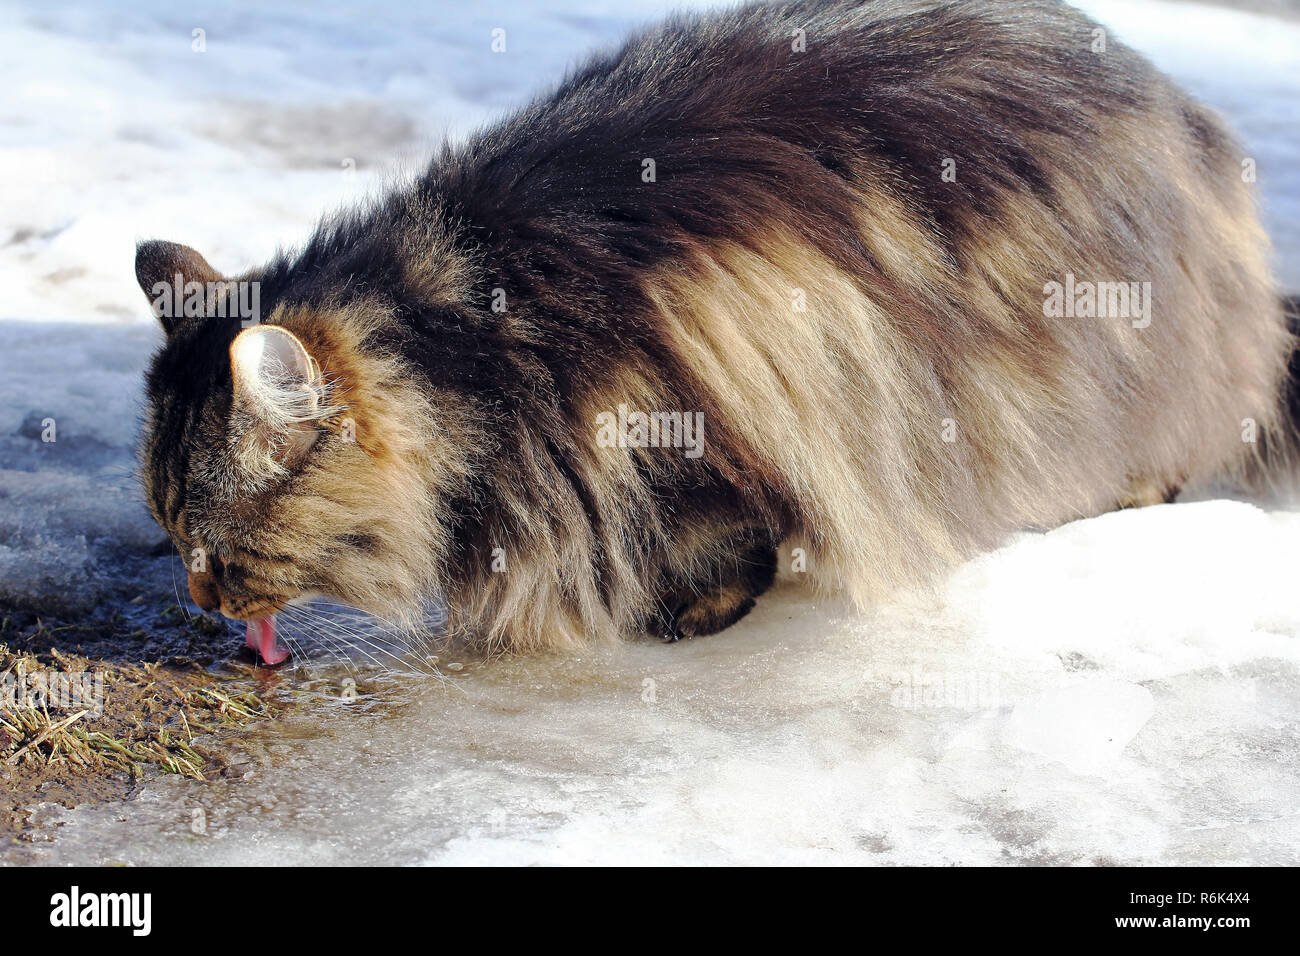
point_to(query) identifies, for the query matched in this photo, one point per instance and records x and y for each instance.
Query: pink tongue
(261, 638)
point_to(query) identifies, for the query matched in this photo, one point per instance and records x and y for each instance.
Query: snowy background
(1121, 690)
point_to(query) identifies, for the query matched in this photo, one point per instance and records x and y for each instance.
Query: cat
(921, 273)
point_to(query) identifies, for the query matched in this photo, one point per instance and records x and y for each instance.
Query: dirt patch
(92, 709)
(77, 728)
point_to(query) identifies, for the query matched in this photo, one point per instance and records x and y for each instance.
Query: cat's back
(904, 79)
(832, 225)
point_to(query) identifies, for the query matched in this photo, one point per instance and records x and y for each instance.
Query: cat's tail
(1291, 309)
(1278, 466)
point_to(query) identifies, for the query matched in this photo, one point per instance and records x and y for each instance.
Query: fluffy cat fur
(865, 337)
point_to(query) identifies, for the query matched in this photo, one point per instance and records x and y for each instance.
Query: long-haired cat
(883, 280)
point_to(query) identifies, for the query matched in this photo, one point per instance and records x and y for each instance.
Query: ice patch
(1085, 727)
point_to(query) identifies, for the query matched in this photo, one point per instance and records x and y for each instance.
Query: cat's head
(289, 455)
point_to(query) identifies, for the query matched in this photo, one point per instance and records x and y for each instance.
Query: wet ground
(1122, 690)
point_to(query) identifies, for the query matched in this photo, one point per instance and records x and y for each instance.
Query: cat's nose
(203, 589)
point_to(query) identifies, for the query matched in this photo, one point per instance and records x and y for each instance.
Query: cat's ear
(279, 393)
(163, 270)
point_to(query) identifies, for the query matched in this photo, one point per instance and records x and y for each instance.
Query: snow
(1120, 690)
